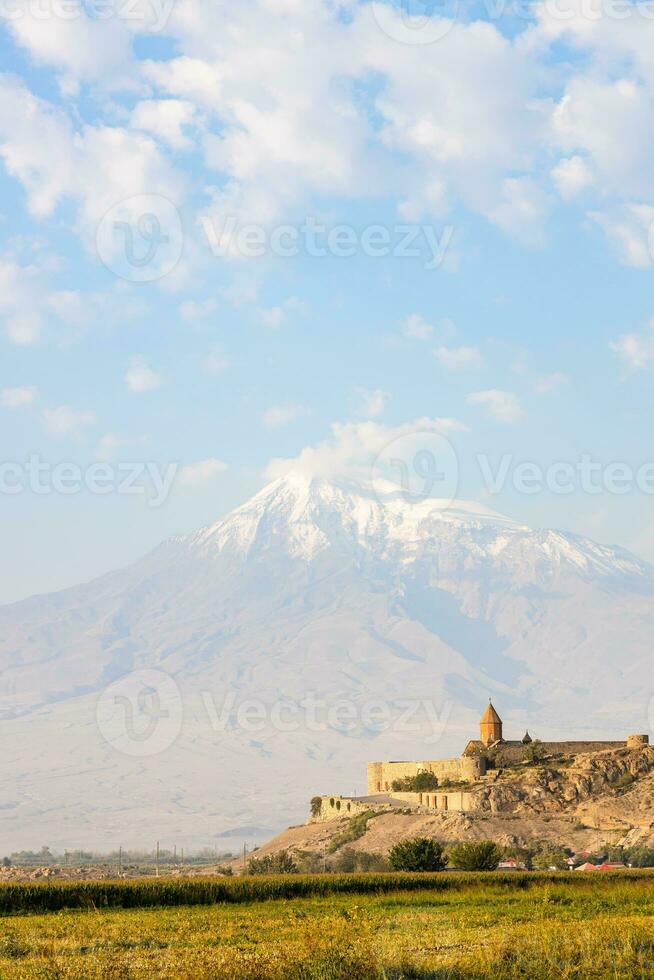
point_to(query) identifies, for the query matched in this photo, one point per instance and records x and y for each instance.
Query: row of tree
(426, 854)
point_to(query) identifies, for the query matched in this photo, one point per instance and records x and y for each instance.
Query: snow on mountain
(319, 625)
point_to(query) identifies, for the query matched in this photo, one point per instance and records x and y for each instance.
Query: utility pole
(157, 859)
(120, 860)
(245, 850)
(182, 855)
(174, 853)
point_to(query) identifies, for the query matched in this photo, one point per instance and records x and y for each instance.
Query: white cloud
(522, 210)
(572, 176)
(80, 47)
(140, 376)
(373, 403)
(548, 383)
(417, 328)
(277, 316)
(502, 405)
(216, 362)
(20, 289)
(353, 447)
(631, 230)
(635, 350)
(111, 444)
(192, 310)
(165, 119)
(459, 358)
(18, 397)
(198, 474)
(280, 415)
(65, 422)
(96, 167)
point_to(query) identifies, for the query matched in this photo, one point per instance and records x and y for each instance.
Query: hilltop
(585, 803)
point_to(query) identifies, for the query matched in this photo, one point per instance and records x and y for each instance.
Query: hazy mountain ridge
(317, 586)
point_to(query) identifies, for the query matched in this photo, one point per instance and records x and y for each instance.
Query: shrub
(640, 857)
(550, 857)
(355, 829)
(482, 855)
(419, 854)
(273, 864)
(421, 783)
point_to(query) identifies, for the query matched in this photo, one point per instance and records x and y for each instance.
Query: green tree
(422, 783)
(550, 857)
(535, 752)
(316, 805)
(273, 864)
(478, 855)
(419, 854)
(640, 857)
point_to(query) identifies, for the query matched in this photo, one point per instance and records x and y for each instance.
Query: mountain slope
(321, 590)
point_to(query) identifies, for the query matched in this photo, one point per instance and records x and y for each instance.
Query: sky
(240, 238)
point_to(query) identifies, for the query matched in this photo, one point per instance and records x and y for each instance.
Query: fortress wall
(462, 769)
(456, 800)
(513, 752)
(338, 807)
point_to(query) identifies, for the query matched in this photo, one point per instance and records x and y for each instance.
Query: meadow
(334, 928)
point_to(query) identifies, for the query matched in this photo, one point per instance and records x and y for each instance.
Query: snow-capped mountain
(319, 625)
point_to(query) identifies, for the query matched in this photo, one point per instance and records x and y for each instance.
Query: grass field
(469, 926)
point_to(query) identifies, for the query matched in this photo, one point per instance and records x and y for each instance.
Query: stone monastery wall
(459, 770)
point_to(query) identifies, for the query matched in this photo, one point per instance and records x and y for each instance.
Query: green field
(345, 927)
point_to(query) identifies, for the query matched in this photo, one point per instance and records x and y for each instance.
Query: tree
(422, 783)
(535, 752)
(419, 854)
(482, 855)
(273, 864)
(316, 805)
(550, 857)
(640, 857)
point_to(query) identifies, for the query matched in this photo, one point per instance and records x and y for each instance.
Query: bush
(640, 857)
(482, 855)
(273, 864)
(419, 854)
(550, 857)
(355, 829)
(421, 783)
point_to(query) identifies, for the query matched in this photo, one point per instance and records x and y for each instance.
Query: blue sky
(521, 143)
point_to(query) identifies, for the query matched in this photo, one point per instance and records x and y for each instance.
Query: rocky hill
(583, 803)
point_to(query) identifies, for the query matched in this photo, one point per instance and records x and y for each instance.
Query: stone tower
(490, 726)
